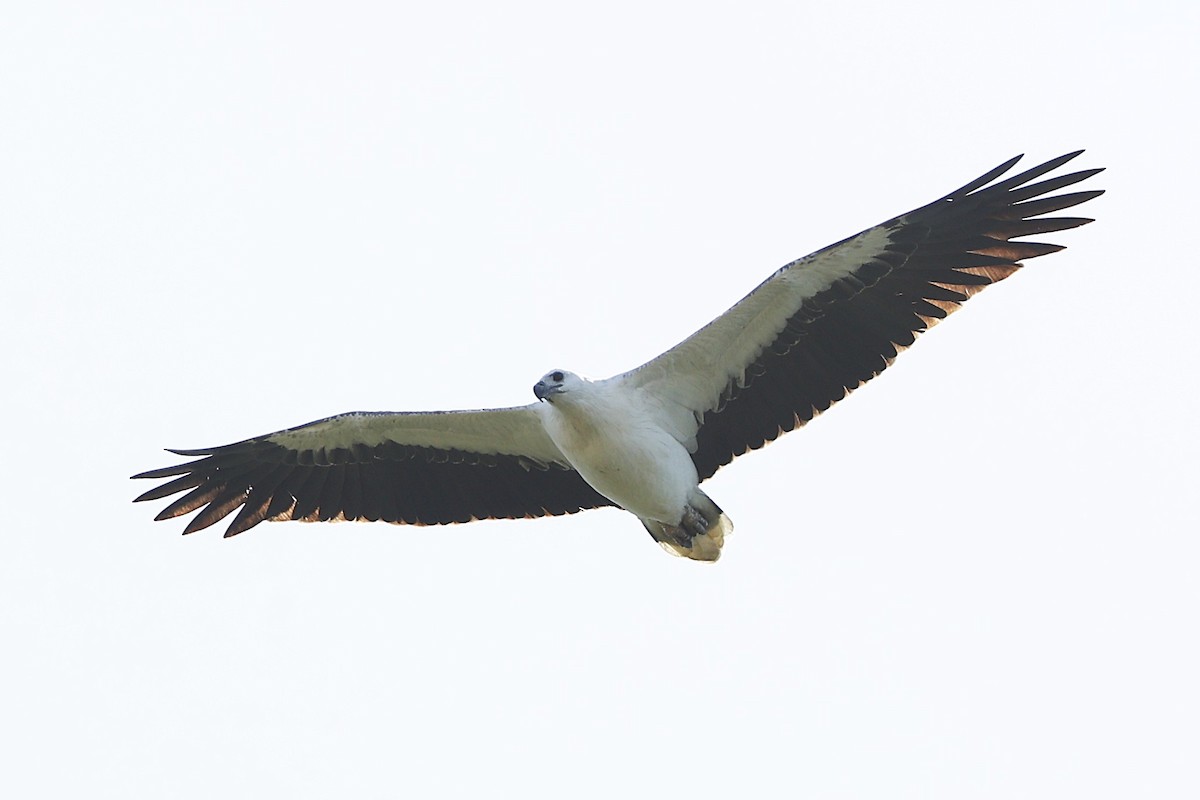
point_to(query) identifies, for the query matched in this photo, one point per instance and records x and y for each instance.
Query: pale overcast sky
(976, 578)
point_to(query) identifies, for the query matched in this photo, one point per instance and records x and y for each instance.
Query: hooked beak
(544, 391)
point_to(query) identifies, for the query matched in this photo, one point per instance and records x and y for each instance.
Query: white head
(557, 382)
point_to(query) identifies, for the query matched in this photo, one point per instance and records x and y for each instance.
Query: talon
(693, 522)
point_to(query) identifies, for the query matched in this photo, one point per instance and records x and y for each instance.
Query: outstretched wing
(827, 323)
(417, 468)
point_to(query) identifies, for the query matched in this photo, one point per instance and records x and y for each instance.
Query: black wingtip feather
(216, 511)
(164, 472)
(1045, 205)
(1025, 177)
(985, 178)
(172, 487)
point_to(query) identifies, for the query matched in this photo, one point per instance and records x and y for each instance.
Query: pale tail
(699, 535)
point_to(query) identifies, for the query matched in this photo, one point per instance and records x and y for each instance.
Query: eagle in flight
(644, 440)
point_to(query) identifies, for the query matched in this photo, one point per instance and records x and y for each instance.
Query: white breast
(621, 450)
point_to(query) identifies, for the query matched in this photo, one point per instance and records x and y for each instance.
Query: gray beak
(543, 390)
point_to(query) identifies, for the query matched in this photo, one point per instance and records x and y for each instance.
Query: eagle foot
(693, 524)
(697, 535)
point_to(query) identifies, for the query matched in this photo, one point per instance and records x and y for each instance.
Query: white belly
(624, 456)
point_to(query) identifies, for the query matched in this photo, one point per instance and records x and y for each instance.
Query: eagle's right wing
(428, 468)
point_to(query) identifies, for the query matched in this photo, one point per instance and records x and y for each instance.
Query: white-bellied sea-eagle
(644, 440)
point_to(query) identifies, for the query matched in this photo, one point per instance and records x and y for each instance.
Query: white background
(977, 578)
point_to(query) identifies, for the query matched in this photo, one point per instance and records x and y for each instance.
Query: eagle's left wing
(825, 324)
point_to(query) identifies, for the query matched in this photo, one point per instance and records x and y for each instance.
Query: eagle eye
(556, 377)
